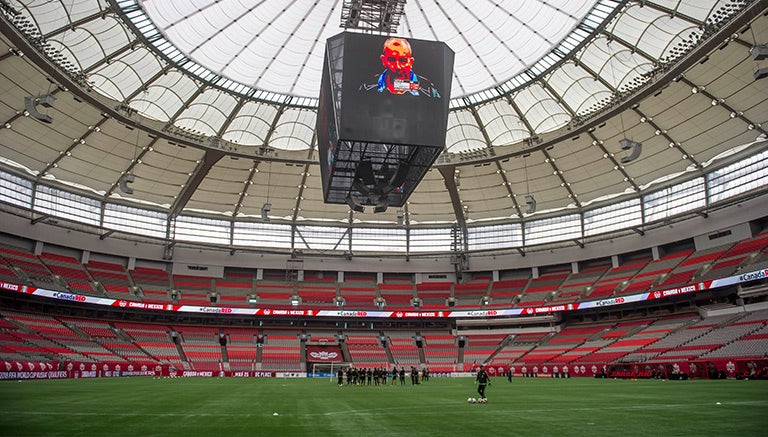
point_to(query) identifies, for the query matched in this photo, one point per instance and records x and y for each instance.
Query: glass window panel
(321, 238)
(15, 190)
(674, 200)
(737, 178)
(495, 237)
(621, 215)
(67, 205)
(430, 240)
(378, 240)
(553, 229)
(262, 235)
(202, 230)
(135, 220)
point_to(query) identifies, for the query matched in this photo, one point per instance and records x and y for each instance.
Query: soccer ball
(471, 400)
(482, 400)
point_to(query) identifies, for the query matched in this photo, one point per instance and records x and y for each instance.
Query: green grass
(317, 407)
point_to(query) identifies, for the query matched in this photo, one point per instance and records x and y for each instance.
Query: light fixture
(451, 302)
(295, 300)
(339, 301)
(252, 299)
(416, 302)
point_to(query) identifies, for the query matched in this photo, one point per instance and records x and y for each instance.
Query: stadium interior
(598, 209)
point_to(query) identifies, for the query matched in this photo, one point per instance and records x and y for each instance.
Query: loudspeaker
(381, 204)
(30, 104)
(364, 173)
(627, 144)
(123, 182)
(398, 178)
(265, 209)
(759, 52)
(353, 205)
(531, 202)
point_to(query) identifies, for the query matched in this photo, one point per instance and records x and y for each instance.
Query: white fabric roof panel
(276, 53)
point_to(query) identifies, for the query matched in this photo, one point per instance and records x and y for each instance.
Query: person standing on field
(482, 380)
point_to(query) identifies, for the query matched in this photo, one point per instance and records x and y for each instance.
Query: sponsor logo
(69, 296)
(752, 276)
(550, 309)
(419, 314)
(680, 290)
(323, 355)
(656, 294)
(8, 286)
(267, 312)
(148, 306)
(612, 301)
(285, 312)
(196, 373)
(122, 303)
(214, 310)
(353, 313)
(398, 314)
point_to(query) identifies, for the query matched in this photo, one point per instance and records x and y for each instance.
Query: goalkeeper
(482, 380)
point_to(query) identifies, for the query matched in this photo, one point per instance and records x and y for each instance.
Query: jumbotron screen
(386, 98)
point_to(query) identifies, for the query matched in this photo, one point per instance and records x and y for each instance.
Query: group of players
(380, 376)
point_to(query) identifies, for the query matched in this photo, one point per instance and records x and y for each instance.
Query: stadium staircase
(420, 348)
(180, 350)
(387, 350)
(345, 352)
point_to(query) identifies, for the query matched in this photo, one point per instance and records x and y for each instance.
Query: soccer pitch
(144, 406)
